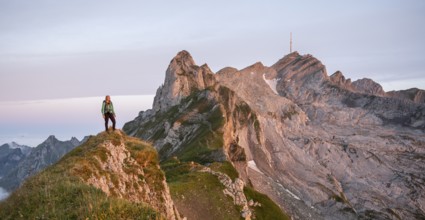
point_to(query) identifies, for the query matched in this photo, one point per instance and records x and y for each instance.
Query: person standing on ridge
(108, 112)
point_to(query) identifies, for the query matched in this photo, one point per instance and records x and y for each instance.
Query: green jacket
(107, 108)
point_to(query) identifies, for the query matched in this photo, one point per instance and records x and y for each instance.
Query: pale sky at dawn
(60, 49)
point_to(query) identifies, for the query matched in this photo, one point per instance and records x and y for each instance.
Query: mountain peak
(51, 139)
(75, 141)
(182, 61)
(339, 79)
(294, 63)
(13, 145)
(183, 53)
(182, 78)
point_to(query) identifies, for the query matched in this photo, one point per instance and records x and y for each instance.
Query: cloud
(3, 194)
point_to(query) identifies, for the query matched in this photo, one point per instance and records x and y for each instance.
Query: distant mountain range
(18, 162)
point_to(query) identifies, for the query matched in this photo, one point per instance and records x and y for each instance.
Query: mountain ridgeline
(18, 162)
(318, 146)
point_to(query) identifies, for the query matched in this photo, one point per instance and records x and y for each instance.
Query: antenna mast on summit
(290, 43)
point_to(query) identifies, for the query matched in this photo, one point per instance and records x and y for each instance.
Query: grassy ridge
(60, 193)
(268, 209)
(198, 195)
(55, 196)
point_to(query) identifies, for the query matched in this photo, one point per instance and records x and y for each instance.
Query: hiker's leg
(113, 121)
(106, 121)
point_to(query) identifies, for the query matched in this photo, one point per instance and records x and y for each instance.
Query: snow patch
(272, 83)
(289, 192)
(253, 165)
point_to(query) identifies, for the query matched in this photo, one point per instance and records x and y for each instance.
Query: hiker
(108, 112)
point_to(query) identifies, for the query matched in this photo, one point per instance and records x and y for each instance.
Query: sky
(54, 49)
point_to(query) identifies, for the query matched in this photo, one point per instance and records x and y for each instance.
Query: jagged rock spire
(182, 78)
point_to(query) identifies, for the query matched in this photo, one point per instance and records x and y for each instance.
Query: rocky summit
(318, 146)
(110, 176)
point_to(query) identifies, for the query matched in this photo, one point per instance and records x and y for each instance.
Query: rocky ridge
(11, 155)
(127, 168)
(416, 95)
(320, 146)
(233, 189)
(33, 160)
(110, 176)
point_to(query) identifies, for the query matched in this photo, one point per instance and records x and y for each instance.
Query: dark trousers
(107, 117)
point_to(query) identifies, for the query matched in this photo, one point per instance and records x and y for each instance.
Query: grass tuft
(268, 209)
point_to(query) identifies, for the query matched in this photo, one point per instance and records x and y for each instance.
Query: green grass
(207, 141)
(200, 196)
(59, 192)
(226, 168)
(174, 169)
(201, 148)
(55, 195)
(268, 209)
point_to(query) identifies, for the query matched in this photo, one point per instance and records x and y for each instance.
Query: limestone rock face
(416, 95)
(119, 174)
(339, 79)
(368, 86)
(320, 146)
(182, 78)
(11, 155)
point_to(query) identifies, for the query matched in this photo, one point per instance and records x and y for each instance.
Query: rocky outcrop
(233, 189)
(321, 147)
(183, 77)
(299, 77)
(339, 79)
(128, 168)
(10, 156)
(38, 158)
(368, 86)
(414, 94)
